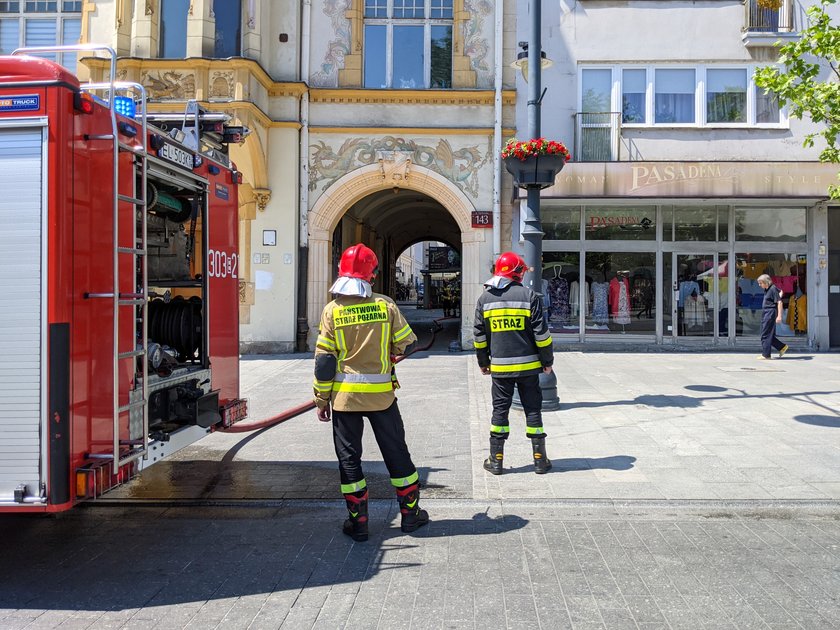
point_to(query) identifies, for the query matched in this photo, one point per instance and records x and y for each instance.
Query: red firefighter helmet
(358, 261)
(510, 265)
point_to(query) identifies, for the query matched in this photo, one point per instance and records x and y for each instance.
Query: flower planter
(536, 171)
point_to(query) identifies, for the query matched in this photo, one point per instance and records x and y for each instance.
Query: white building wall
(688, 33)
(274, 269)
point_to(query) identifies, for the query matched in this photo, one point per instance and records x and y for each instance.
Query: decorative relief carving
(262, 196)
(169, 84)
(338, 47)
(476, 46)
(221, 85)
(150, 7)
(252, 15)
(460, 166)
(395, 166)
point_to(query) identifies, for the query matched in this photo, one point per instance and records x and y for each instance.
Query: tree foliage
(797, 80)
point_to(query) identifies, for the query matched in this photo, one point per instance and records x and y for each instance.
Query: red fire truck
(119, 325)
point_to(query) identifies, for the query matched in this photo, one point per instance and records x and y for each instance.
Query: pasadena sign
(693, 179)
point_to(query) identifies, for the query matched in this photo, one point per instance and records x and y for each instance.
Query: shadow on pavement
(569, 464)
(110, 559)
(661, 401)
(820, 421)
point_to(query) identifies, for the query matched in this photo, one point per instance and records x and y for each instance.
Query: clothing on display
(558, 292)
(574, 298)
(797, 317)
(687, 287)
(600, 308)
(695, 311)
(619, 297)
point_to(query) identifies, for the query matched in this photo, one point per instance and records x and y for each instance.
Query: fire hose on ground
(256, 425)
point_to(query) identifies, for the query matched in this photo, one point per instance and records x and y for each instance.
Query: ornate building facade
(371, 120)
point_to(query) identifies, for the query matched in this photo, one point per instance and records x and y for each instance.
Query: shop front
(670, 253)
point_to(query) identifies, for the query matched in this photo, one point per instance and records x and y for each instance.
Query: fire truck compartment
(22, 319)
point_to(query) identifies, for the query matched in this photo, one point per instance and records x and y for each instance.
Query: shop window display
(561, 291)
(692, 303)
(788, 272)
(560, 223)
(770, 224)
(621, 293)
(692, 223)
(631, 223)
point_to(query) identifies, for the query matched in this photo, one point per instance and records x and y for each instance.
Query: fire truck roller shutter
(21, 320)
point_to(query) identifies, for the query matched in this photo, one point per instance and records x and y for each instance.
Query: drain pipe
(303, 192)
(497, 131)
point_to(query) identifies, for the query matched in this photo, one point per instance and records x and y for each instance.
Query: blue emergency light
(125, 106)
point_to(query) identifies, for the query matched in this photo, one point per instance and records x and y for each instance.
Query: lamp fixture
(521, 62)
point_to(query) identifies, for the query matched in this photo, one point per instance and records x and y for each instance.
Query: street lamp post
(532, 231)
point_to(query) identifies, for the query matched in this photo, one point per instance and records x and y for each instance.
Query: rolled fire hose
(255, 425)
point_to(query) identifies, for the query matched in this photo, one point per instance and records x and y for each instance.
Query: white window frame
(428, 23)
(60, 16)
(700, 71)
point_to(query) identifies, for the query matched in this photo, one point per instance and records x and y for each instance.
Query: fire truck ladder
(139, 298)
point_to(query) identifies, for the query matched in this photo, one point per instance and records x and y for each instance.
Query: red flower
(533, 148)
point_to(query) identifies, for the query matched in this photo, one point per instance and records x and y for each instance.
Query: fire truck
(119, 328)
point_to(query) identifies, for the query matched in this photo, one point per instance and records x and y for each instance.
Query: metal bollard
(548, 385)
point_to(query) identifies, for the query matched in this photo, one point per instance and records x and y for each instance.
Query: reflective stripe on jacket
(363, 334)
(510, 334)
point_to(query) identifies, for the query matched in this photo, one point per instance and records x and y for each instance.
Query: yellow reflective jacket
(363, 334)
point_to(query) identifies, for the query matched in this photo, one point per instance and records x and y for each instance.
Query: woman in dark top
(771, 314)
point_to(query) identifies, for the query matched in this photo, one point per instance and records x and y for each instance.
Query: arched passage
(368, 183)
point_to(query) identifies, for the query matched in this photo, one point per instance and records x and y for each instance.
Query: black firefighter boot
(356, 525)
(413, 517)
(541, 462)
(493, 464)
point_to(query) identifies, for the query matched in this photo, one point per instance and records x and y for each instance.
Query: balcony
(764, 27)
(596, 136)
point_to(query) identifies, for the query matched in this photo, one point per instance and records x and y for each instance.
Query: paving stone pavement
(478, 564)
(689, 490)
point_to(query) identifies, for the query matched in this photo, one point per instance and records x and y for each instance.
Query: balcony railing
(597, 136)
(761, 20)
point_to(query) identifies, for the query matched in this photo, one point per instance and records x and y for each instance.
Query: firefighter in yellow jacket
(361, 332)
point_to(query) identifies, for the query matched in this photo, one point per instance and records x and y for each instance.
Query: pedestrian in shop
(513, 346)
(771, 314)
(361, 333)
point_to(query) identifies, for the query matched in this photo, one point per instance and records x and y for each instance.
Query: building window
(674, 96)
(408, 44)
(28, 23)
(634, 96)
(700, 96)
(726, 96)
(228, 28)
(767, 109)
(173, 28)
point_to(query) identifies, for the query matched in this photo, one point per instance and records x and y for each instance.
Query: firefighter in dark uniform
(513, 345)
(361, 333)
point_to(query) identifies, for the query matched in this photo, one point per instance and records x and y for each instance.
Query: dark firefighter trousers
(389, 431)
(530, 395)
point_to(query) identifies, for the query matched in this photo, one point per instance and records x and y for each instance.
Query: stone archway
(355, 185)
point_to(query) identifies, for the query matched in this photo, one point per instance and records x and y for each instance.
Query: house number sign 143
(482, 219)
